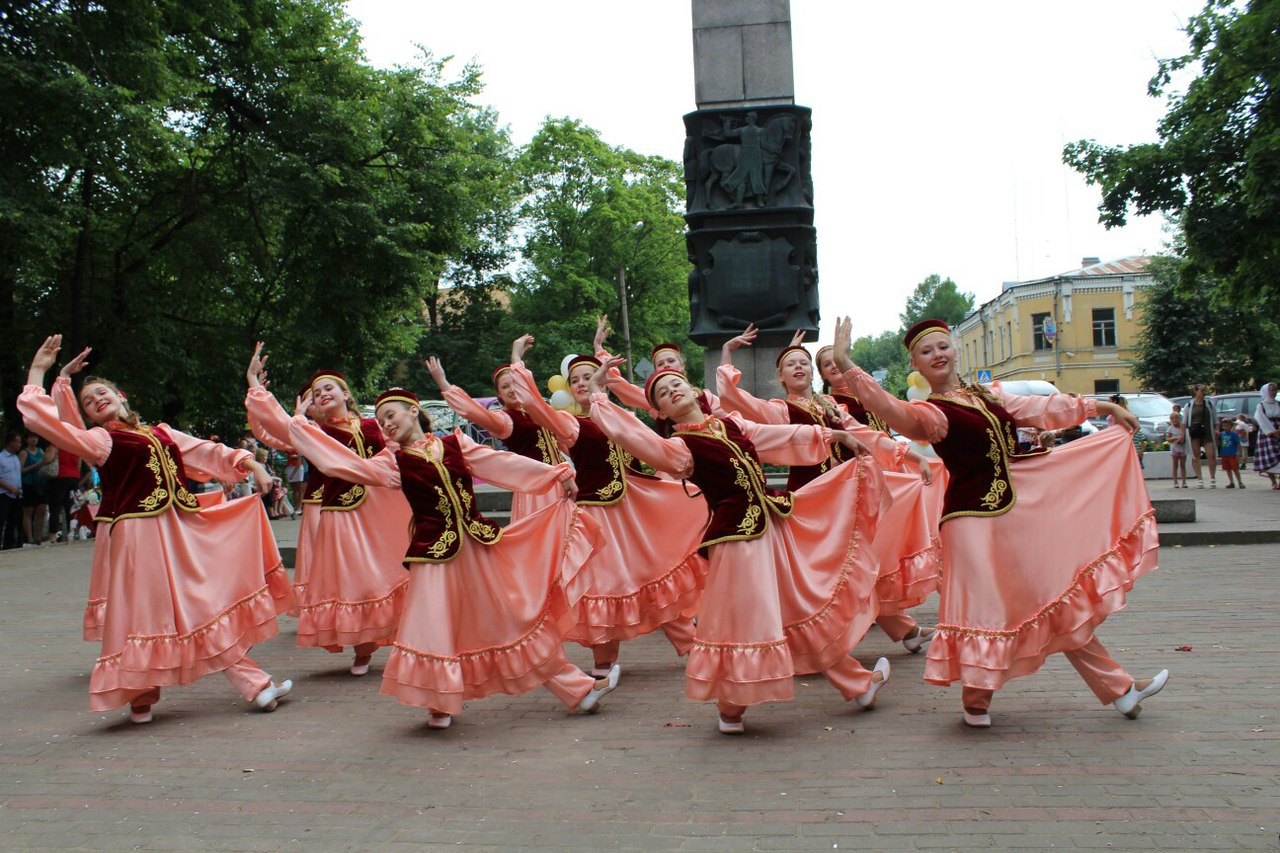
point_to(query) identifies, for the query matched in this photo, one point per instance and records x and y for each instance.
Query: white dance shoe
(867, 700)
(918, 639)
(269, 697)
(731, 727)
(977, 721)
(439, 721)
(360, 666)
(1130, 704)
(603, 685)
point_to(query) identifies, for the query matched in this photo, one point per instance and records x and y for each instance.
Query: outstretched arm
(336, 459)
(751, 407)
(670, 455)
(514, 472)
(918, 421)
(498, 424)
(562, 424)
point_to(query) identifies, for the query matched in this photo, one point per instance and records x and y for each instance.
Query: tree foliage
(1190, 334)
(1216, 168)
(936, 298)
(184, 178)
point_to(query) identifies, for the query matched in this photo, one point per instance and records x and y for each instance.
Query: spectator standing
(1229, 451)
(35, 504)
(1267, 415)
(1243, 429)
(1202, 422)
(1176, 435)
(11, 493)
(295, 474)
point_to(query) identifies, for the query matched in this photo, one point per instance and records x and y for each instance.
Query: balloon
(575, 409)
(915, 380)
(564, 364)
(557, 383)
(561, 400)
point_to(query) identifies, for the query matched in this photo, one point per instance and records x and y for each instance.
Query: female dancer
(1267, 413)
(790, 585)
(665, 356)
(1018, 584)
(187, 594)
(354, 585)
(270, 425)
(486, 606)
(638, 582)
(907, 550)
(512, 425)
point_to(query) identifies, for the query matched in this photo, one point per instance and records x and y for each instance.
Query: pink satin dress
(499, 425)
(648, 571)
(907, 545)
(186, 593)
(270, 424)
(797, 598)
(1041, 577)
(491, 619)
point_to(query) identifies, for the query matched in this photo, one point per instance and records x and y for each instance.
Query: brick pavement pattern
(340, 767)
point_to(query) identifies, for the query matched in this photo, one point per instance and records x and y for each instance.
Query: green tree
(590, 210)
(1216, 168)
(187, 178)
(936, 298)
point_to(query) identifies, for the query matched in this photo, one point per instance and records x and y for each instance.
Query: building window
(1012, 349)
(1104, 327)
(1106, 386)
(1038, 340)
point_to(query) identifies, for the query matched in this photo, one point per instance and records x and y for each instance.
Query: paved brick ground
(341, 768)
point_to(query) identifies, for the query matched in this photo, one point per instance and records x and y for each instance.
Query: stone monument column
(749, 191)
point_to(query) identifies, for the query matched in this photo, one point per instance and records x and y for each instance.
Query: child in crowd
(1176, 435)
(1243, 428)
(1229, 452)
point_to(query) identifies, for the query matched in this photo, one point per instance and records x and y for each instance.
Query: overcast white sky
(938, 126)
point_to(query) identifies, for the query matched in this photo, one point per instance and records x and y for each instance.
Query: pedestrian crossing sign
(984, 375)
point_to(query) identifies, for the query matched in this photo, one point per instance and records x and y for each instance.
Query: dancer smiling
(638, 581)
(1018, 583)
(790, 584)
(906, 545)
(486, 606)
(186, 588)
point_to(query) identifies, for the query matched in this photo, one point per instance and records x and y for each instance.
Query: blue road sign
(984, 375)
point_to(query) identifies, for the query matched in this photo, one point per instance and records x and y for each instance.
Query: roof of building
(1124, 266)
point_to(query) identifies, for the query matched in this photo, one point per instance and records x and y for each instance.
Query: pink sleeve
(714, 404)
(750, 407)
(510, 470)
(885, 450)
(40, 414)
(562, 424)
(788, 444)
(268, 419)
(1056, 411)
(917, 420)
(64, 397)
(624, 429)
(217, 460)
(496, 423)
(337, 460)
(627, 393)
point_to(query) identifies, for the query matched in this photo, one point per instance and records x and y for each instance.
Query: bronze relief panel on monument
(746, 159)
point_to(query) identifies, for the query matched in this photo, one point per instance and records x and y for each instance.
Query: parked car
(1151, 410)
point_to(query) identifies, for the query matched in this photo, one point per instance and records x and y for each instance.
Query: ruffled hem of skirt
(601, 618)
(914, 580)
(94, 614)
(169, 659)
(336, 624)
(988, 659)
(281, 588)
(443, 682)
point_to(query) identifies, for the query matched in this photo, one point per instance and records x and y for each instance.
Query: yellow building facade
(1076, 330)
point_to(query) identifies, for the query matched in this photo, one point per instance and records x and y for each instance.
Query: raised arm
(267, 418)
(41, 417)
(1056, 411)
(510, 470)
(562, 424)
(670, 455)
(789, 444)
(336, 459)
(751, 407)
(220, 462)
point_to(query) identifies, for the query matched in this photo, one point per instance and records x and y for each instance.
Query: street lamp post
(626, 325)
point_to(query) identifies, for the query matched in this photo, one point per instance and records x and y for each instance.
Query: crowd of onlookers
(51, 497)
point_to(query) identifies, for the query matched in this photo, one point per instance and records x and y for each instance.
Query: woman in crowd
(638, 581)
(791, 584)
(1039, 547)
(1266, 461)
(905, 544)
(486, 607)
(35, 500)
(1202, 435)
(187, 590)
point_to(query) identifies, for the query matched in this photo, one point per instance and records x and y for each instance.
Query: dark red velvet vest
(143, 476)
(727, 470)
(313, 489)
(367, 442)
(981, 443)
(437, 483)
(600, 466)
(812, 413)
(860, 412)
(530, 440)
